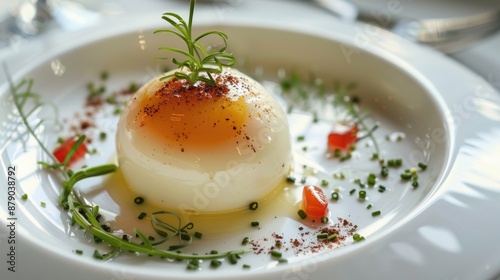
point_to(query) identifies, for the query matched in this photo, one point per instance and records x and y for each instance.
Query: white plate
(450, 115)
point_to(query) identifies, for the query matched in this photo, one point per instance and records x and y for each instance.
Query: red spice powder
(84, 120)
(306, 241)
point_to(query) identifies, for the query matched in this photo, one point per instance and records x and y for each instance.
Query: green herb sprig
(86, 215)
(198, 59)
(24, 98)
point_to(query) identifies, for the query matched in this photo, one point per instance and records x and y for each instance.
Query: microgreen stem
(369, 132)
(20, 101)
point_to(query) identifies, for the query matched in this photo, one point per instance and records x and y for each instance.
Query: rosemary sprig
(198, 60)
(84, 214)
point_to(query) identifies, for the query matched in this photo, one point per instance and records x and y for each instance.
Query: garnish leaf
(198, 64)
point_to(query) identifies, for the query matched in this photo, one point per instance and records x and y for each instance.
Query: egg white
(223, 178)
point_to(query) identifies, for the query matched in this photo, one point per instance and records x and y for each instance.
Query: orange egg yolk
(198, 115)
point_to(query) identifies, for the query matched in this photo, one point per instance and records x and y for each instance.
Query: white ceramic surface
(449, 224)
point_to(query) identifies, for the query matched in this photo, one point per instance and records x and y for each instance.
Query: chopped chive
(24, 196)
(97, 255)
(214, 252)
(346, 157)
(78, 252)
(193, 264)
(374, 156)
(381, 188)
(185, 236)
(394, 162)
(332, 237)
(302, 214)
(352, 191)
(335, 196)
(215, 263)
(253, 206)
(246, 266)
(376, 213)
(111, 100)
(357, 237)
(337, 153)
(324, 183)
(322, 235)
(303, 180)
(198, 234)
(141, 216)
(245, 241)
(138, 200)
(384, 172)
(301, 138)
(133, 87)
(406, 176)
(362, 194)
(422, 166)
(232, 258)
(102, 136)
(43, 204)
(290, 179)
(324, 220)
(371, 179)
(277, 243)
(276, 254)
(282, 260)
(106, 228)
(254, 224)
(415, 184)
(369, 206)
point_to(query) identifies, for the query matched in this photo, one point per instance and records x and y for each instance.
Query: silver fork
(447, 35)
(450, 34)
